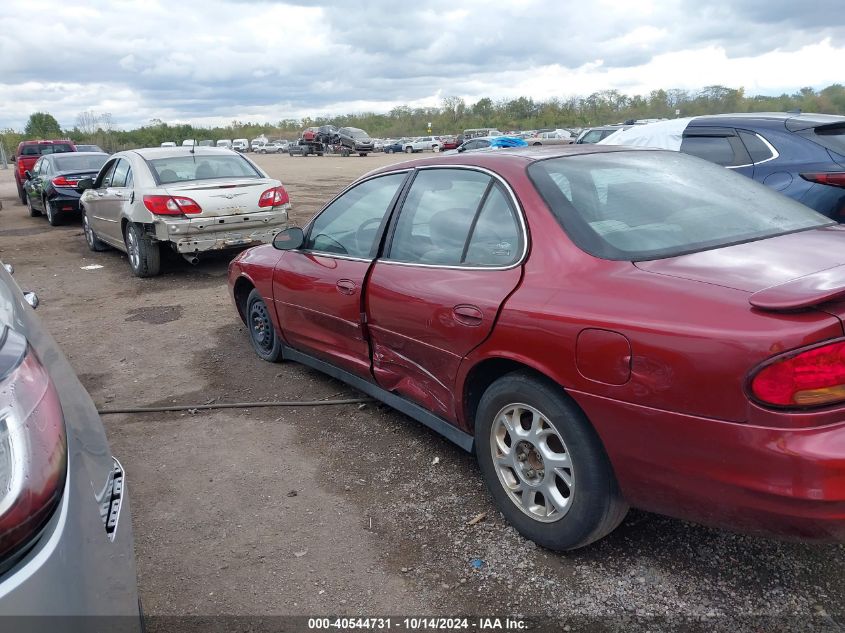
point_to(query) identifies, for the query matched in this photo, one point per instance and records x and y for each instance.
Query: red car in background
(448, 142)
(28, 152)
(602, 326)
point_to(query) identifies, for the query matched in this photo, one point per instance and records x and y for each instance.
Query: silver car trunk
(229, 197)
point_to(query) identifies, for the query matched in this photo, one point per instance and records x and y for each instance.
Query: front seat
(448, 231)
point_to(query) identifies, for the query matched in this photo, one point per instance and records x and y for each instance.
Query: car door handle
(346, 286)
(467, 315)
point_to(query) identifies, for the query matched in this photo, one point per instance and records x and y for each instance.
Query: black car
(356, 140)
(50, 185)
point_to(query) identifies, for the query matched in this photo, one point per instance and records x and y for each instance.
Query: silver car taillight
(33, 445)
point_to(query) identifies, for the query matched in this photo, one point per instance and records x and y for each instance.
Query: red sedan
(602, 326)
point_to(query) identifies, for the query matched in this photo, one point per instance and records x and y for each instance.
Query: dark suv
(30, 151)
(356, 140)
(800, 155)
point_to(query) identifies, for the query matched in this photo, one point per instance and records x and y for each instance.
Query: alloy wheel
(133, 249)
(532, 462)
(86, 228)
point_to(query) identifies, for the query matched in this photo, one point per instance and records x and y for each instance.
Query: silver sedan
(192, 200)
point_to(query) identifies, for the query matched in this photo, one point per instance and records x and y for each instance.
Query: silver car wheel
(532, 463)
(86, 228)
(133, 250)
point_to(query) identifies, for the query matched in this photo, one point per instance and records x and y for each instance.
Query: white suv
(421, 144)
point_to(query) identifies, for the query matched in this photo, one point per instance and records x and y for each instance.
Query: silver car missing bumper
(190, 199)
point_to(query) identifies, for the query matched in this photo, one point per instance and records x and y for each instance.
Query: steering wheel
(362, 241)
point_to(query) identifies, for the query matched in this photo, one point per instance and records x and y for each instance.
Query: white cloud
(211, 61)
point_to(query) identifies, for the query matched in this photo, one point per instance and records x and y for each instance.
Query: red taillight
(274, 197)
(33, 453)
(171, 205)
(834, 178)
(61, 181)
(811, 378)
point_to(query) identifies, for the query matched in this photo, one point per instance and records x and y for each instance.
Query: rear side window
(716, 149)
(646, 205)
(756, 146)
(456, 217)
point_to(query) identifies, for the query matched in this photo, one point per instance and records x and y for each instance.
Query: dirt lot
(340, 509)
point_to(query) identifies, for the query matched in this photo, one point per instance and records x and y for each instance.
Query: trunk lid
(232, 197)
(792, 272)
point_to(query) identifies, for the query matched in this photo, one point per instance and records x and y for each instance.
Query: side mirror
(85, 183)
(28, 174)
(290, 239)
(461, 148)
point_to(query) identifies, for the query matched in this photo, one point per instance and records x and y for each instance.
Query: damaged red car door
(453, 256)
(318, 287)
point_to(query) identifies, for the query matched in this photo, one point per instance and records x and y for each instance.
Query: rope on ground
(235, 405)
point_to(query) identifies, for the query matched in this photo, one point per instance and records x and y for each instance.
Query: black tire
(53, 216)
(594, 506)
(362, 153)
(94, 242)
(33, 212)
(144, 254)
(388, 151)
(21, 192)
(536, 144)
(262, 334)
(409, 150)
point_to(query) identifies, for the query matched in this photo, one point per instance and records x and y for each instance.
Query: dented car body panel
(657, 354)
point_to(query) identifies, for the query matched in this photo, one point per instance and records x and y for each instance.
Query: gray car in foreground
(65, 527)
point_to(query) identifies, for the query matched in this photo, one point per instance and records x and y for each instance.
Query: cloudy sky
(212, 61)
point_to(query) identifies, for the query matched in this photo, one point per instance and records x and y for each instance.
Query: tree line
(451, 117)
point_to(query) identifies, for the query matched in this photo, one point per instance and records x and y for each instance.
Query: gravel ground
(345, 510)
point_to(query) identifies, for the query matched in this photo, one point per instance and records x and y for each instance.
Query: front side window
(105, 178)
(642, 205)
(121, 171)
(350, 225)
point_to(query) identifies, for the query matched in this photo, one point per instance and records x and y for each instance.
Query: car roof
(173, 152)
(792, 120)
(509, 155)
(64, 154)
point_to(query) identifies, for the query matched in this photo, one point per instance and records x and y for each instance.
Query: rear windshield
(830, 136)
(186, 168)
(76, 161)
(45, 148)
(642, 205)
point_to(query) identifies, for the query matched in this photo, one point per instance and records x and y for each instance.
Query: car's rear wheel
(544, 464)
(409, 150)
(94, 243)
(144, 254)
(33, 212)
(262, 334)
(53, 216)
